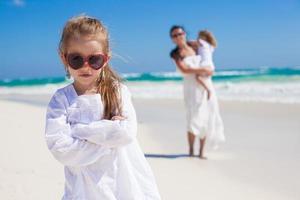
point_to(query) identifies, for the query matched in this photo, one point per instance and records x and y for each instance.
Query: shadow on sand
(170, 156)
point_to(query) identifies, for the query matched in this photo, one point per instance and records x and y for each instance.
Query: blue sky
(250, 33)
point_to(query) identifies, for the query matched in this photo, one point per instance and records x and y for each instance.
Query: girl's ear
(108, 59)
(63, 59)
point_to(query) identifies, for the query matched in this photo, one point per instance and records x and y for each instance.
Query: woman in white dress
(203, 117)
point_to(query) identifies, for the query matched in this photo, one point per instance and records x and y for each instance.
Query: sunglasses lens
(75, 61)
(97, 61)
(177, 35)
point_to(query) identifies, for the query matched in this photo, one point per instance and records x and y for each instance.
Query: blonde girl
(91, 123)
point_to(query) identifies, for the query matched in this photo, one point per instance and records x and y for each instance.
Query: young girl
(91, 124)
(207, 44)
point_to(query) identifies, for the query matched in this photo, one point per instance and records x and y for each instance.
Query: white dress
(206, 53)
(102, 158)
(203, 116)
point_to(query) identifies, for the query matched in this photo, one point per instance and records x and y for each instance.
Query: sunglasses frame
(86, 60)
(176, 35)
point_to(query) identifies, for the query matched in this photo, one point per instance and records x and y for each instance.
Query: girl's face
(178, 36)
(86, 76)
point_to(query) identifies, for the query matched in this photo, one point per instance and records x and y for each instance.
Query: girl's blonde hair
(208, 37)
(108, 82)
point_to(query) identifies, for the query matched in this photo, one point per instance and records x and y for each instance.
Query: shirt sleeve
(66, 149)
(108, 133)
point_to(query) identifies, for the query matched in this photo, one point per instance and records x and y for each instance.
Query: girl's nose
(85, 64)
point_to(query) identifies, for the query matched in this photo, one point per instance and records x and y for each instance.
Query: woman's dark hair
(174, 27)
(175, 52)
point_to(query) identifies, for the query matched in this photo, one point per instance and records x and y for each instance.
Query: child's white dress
(206, 53)
(203, 116)
(102, 158)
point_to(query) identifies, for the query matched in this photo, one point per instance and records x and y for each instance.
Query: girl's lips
(85, 75)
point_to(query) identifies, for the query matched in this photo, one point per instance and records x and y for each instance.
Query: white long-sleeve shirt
(205, 51)
(102, 158)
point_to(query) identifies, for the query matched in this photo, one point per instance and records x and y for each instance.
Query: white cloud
(19, 3)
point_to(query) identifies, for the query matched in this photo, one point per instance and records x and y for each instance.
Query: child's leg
(191, 139)
(201, 81)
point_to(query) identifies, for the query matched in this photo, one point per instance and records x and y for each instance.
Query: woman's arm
(68, 150)
(203, 71)
(111, 133)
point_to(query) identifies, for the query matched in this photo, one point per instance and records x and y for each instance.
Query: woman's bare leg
(191, 139)
(202, 144)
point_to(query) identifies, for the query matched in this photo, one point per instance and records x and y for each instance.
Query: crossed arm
(110, 133)
(83, 144)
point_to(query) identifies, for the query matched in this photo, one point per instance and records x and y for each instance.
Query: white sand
(260, 160)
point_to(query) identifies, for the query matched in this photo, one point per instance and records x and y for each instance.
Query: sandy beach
(168, 54)
(260, 159)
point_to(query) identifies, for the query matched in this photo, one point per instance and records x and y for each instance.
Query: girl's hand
(117, 118)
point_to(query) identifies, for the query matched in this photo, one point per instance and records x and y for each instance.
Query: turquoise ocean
(261, 84)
